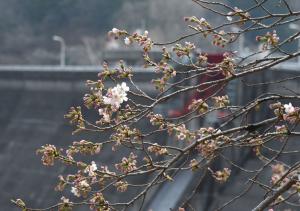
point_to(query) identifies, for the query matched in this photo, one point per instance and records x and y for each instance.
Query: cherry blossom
(115, 30)
(91, 169)
(127, 41)
(116, 96)
(289, 108)
(106, 116)
(75, 191)
(127, 164)
(229, 18)
(81, 188)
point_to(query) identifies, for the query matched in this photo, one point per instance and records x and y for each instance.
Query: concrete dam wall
(33, 101)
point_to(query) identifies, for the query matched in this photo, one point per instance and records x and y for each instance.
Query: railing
(68, 68)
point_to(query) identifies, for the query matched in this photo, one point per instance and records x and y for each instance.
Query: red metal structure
(212, 59)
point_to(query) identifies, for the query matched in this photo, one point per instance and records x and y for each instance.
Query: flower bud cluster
(116, 33)
(166, 55)
(200, 105)
(81, 187)
(183, 50)
(75, 117)
(194, 164)
(94, 99)
(227, 66)
(182, 133)
(219, 39)
(208, 147)
(61, 183)
(106, 105)
(221, 101)
(292, 114)
(270, 39)
(278, 170)
(91, 169)
(125, 133)
(106, 72)
(121, 71)
(243, 16)
(49, 153)
(168, 72)
(278, 109)
(221, 176)
(158, 150)
(281, 129)
(141, 39)
(106, 115)
(66, 205)
(202, 59)
(286, 112)
(125, 113)
(121, 186)
(157, 120)
(201, 24)
(84, 147)
(162, 67)
(98, 203)
(127, 164)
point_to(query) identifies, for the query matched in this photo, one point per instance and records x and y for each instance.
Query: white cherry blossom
(116, 96)
(115, 30)
(202, 20)
(289, 108)
(229, 18)
(127, 41)
(84, 184)
(75, 191)
(91, 169)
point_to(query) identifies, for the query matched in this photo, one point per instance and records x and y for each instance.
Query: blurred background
(48, 48)
(27, 27)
